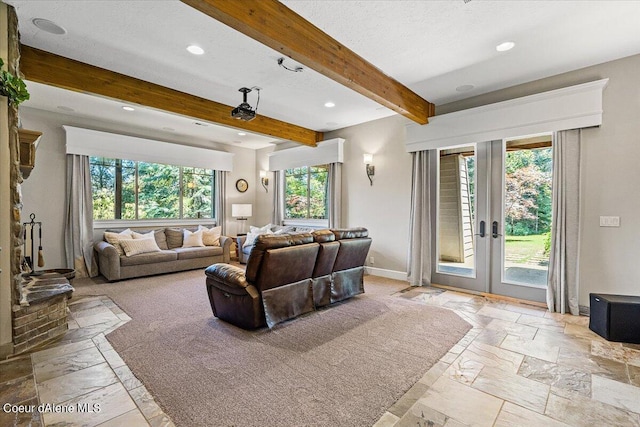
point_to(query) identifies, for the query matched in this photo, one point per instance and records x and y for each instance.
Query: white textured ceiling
(432, 47)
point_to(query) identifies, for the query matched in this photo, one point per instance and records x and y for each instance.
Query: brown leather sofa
(289, 275)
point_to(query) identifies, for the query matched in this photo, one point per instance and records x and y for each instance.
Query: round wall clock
(242, 185)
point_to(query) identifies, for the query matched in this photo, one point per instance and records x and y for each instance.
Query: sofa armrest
(225, 242)
(230, 276)
(108, 260)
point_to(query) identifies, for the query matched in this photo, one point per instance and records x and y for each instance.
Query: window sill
(151, 223)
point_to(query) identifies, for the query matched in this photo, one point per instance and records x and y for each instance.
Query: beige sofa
(114, 264)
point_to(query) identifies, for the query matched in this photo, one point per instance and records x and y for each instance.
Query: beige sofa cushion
(148, 258)
(198, 252)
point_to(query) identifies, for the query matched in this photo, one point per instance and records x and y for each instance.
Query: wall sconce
(264, 180)
(371, 170)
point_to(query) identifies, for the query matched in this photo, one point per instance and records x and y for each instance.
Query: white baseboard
(389, 274)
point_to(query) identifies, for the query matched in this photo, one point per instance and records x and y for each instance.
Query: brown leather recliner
(289, 275)
(347, 278)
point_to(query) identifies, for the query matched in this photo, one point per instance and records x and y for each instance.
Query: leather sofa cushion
(227, 277)
(268, 242)
(326, 258)
(286, 265)
(148, 258)
(350, 233)
(198, 252)
(323, 236)
(352, 253)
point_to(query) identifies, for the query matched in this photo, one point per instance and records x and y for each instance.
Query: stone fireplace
(38, 303)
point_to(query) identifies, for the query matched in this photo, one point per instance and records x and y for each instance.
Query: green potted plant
(12, 87)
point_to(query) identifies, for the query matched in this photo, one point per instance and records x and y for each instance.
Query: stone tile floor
(80, 372)
(519, 366)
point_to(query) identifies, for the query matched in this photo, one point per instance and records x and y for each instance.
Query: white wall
(44, 190)
(264, 200)
(383, 207)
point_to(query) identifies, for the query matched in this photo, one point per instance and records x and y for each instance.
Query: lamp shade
(367, 158)
(241, 210)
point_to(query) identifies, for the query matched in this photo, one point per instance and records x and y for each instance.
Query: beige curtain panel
(562, 289)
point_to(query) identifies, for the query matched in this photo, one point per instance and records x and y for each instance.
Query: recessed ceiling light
(65, 108)
(505, 46)
(329, 104)
(241, 133)
(127, 108)
(48, 26)
(464, 88)
(196, 50)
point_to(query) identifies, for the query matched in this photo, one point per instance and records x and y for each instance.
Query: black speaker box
(615, 317)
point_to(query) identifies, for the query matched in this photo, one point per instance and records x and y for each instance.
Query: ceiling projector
(244, 110)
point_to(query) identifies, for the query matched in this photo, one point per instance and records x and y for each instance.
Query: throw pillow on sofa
(147, 235)
(114, 239)
(192, 239)
(139, 246)
(158, 235)
(283, 229)
(174, 237)
(263, 229)
(253, 235)
(211, 236)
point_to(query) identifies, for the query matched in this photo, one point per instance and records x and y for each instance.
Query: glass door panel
(521, 173)
(460, 250)
(456, 211)
(527, 212)
(492, 216)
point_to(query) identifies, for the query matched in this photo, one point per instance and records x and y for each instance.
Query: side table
(234, 246)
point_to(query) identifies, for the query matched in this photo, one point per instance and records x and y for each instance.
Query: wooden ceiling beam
(278, 27)
(54, 70)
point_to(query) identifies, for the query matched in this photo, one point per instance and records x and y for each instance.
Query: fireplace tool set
(29, 257)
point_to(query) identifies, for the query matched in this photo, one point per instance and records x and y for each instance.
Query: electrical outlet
(609, 221)
(371, 260)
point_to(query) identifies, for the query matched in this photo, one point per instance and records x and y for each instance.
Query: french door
(491, 202)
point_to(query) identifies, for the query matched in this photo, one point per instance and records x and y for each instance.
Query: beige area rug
(340, 366)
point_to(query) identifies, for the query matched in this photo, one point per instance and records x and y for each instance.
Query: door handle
(494, 229)
(482, 229)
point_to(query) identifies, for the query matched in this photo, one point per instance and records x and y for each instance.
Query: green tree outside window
(125, 189)
(306, 192)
